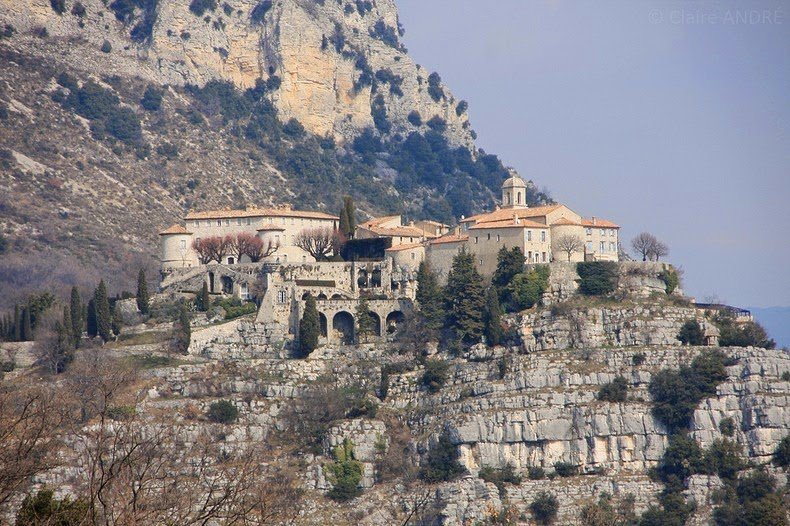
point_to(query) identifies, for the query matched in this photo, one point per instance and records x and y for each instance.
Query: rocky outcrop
(336, 63)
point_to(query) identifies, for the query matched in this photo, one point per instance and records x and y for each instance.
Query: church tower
(514, 191)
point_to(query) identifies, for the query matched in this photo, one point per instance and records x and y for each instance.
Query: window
(611, 247)
(612, 232)
(238, 221)
(529, 235)
(589, 247)
(529, 256)
(543, 238)
(413, 255)
(219, 222)
(183, 244)
(544, 257)
(476, 240)
(589, 231)
(489, 237)
(281, 296)
(249, 221)
(602, 247)
(244, 291)
(518, 198)
(498, 237)
(227, 222)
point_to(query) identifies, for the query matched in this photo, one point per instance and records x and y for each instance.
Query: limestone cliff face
(337, 62)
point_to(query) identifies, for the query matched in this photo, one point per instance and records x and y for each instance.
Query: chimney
(593, 220)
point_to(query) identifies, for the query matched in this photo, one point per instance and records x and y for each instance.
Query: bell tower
(514, 191)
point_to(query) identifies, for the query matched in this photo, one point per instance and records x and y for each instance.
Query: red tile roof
(259, 212)
(175, 229)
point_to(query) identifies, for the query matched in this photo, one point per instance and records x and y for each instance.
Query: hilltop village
(290, 254)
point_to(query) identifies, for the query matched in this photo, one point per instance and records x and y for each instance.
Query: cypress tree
(142, 293)
(309, 327)
(27, 328)
(348, 205)
(103, 315)
(75, 307)
(90, 319)
(366, 324)
(465, 299)
(429, 297)
(183, 330)
(203, 299)
(344, 222)
(17, 324)
(493, 318)
(117, 319)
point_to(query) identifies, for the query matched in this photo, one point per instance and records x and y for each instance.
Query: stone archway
(375, 278)
(343, 325)
(394, 320)
(322, 324)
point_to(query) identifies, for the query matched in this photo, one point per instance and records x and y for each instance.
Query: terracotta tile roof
(431, 222)
(175, 229)
(523, 223)
(452, 238)
(401, 231)
(599, 223)
(405, 246)
(377, 221)
(267, 228)
(506, 213)
(259, 212)
(565, 221)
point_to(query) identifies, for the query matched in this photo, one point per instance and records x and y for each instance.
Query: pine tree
(351, 213)
(103, 315)
(203, 299)
(429, 297)
(309, 327)
(64, 344)
(27, 328)
(142, 293)
(344, 222)
(183, 331)
(117, 319)
(90, 319)
(509, 263)
(366, 324)
(493, 317)
(465, 299)
(75, 307)
(17, 324)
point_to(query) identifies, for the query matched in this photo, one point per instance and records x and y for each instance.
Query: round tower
(514, 192)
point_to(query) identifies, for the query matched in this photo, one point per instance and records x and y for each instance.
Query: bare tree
(570, 243)
(253, 247)
(318, 242)
(643, 244)
(658, 251)
(202, 246)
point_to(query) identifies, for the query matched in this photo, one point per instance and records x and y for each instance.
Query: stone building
(276, 227)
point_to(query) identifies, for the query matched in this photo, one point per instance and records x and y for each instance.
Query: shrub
(121, 412)
(259, 11)
(691, 333)
(724, 458)
(386, 34)
(106, 47)
(786, 376)
(614, 391)
(499, 477)
(59, 6)
(747, 334)
(437, 124)
(345, 473)
(754, 502)
(152, 99)
(414, 118)
(639, 358)
(526, 289)
(442, 462)
(44, 508)
(727, 426)
(603, 513)
(544, 508)
(566, 469)
(597, 277)
(199, 7)
(435, 87)
(435, 375)
(379, 112)
(222, 412)
(536, 473)
(670, 278)
(782, 453)
(461, 108)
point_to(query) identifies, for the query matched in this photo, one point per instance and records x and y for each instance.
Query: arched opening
(518, 198)
(211, 282)
(362, 278)
(321, 296)
(375, 279)
(376, 323)
(337, 296)
(394, 320)
(322, 323)
(231, 260)
(394, 285)
(305, 296)
(343, 325)
(227, 285)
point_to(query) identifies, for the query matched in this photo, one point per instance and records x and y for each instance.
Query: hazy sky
(667, 117)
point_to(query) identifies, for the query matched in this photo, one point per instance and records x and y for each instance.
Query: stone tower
(514, 192)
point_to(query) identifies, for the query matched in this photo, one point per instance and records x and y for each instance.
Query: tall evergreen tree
(63, 353)
(103, 315)
(117, 319)
(143, 299)
(344, 222)
(509, 263)
(203, 299)
(90, 319)
(183, 331)
(465, 299)
(429, 297)
(75, 308)
(351, 213)
(17, 324)
(27, 326)
(309, 327)
(493, 317)
(366, 324)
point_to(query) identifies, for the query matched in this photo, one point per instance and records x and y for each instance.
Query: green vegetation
(727, 426)
(222, 412)
(442, 464)
(544, 508)
(117, 319)
(106, 47)
(44, 509)
(429, 298)
(152, 98)
(234, 307)
(639, 358)
(597, 277)
(691, 333)
(366, 324)
(199, 7)
(745, 334)
(435, 87)
(143, 299)
(103, 314)
(670, 278)
(494, 330)
(182, 330)
(465, 300)
(259, 11)
(527, 288)
(536, 473)
(604, 513)
(77, 319)
(782, 453)
(499, 477)
(345, 473)
(386, 34)
(614, 391)
(677, 393)
(309, 327)
(751, 501)
(435, 375)
(510, 263)
(566, 469)
(59, 6)
(203, 299)
(414, 118)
